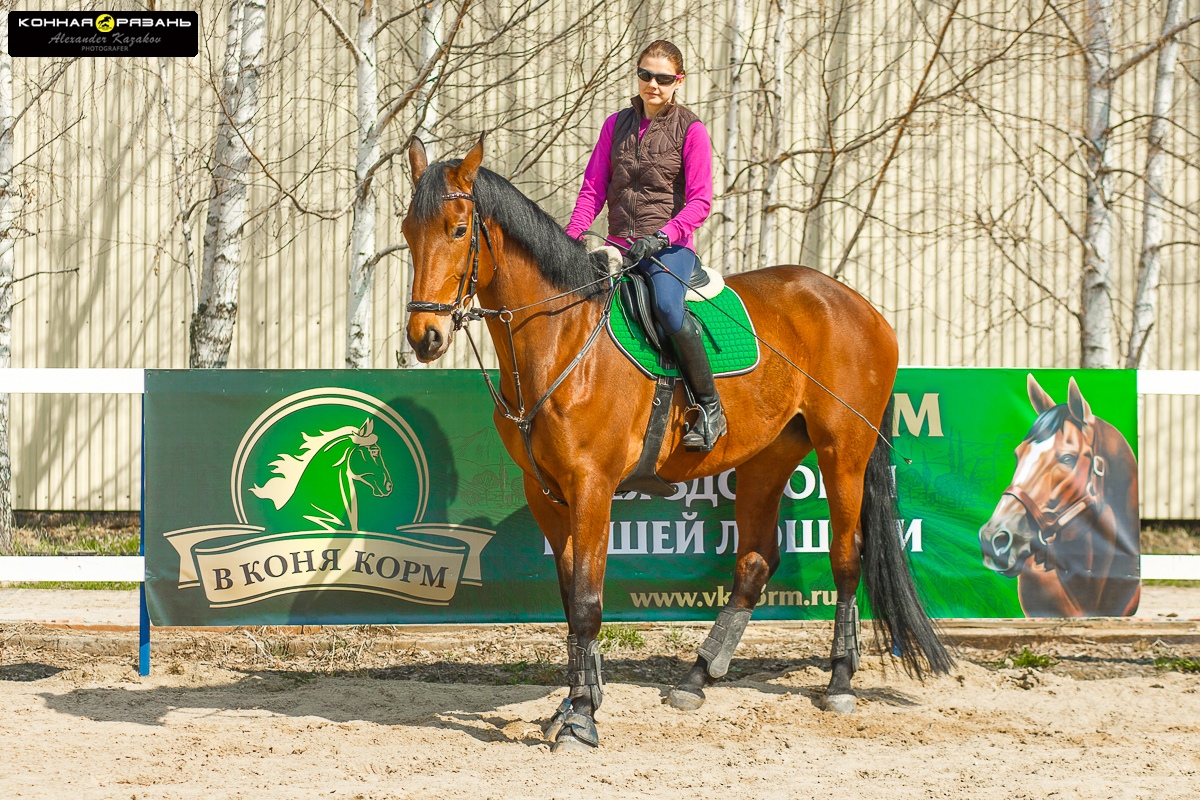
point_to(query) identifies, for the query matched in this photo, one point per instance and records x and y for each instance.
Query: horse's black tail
(901, 625)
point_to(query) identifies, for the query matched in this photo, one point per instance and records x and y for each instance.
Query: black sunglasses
(660, 79)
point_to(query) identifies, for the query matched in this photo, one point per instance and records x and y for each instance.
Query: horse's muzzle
(429, 342)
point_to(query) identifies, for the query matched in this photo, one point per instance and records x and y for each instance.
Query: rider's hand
(646, 247)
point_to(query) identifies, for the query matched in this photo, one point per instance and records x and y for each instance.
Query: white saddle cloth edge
(716, 284)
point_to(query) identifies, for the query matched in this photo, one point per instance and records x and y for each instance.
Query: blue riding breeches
(669, 289)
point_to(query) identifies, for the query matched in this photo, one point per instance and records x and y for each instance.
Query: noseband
(1085, 490)
(459, 312)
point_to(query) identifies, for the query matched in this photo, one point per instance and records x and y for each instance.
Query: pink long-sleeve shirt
(697, 193)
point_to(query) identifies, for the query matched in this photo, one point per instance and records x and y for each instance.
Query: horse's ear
(367, 427)
(417, 158)
(1041, 401)
(1080, 409)
(464, 174)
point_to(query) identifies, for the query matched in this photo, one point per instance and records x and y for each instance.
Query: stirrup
(710, 427)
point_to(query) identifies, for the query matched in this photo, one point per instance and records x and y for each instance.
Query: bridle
(460, 314)
(1086, 487)
(462, 311)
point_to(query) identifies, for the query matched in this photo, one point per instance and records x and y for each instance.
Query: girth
(644, 477)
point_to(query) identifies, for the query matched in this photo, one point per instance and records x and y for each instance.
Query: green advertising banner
(328, 497)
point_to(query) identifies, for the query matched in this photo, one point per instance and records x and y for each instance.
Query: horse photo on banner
(1067, 526)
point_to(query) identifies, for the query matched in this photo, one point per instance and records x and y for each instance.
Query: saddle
(636, 297)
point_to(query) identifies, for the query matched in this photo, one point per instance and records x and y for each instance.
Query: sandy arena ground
(455, 712)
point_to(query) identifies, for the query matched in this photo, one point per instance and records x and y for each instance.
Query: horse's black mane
(561, 259)
(1048, 423)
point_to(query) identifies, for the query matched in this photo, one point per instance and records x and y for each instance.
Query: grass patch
(1175, 664)
(108, 586)
(675, 637)
(75, 541)
(1171, 538)
(525, 672)
(75, 535)
(620, 636)
(1026, 659)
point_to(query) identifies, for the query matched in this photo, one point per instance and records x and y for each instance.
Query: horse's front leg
(581, 577)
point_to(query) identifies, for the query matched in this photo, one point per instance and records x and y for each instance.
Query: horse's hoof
(568, 743)
(556, 722)
(574, 732)
(684, 700)
(552, 728)
(840, 703)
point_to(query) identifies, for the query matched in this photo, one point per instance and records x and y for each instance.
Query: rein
(1087, 486)
(462, 312)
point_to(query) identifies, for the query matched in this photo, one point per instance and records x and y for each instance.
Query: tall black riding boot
(697, 371)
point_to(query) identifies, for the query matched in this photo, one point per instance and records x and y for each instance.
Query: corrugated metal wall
(966, 257)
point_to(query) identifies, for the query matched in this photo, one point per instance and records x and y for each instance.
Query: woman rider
(653, 166)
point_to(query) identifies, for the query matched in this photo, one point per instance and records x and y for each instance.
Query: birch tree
(7, 219)
(737, 58)
(216, 309)
(1145, 304)
(431, 35)
(832, 80)
(362, 234)
(371, 124)
(776, 156)
(1096, 315)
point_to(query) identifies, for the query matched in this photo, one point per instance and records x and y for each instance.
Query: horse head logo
(344, 457)
(1072, 544)
(364, 461)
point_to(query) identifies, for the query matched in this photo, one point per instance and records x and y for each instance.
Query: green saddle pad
(725, 327)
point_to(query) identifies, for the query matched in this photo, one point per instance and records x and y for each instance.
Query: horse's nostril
(1002, 542)
(433, 339)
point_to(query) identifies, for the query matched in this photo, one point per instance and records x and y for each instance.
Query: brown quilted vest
(646, 187)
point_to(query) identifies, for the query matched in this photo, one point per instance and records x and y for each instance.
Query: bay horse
(473, 235)
(1067, 526)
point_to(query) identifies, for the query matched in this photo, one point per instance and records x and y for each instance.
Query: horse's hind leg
(760, 484)
(843, 472)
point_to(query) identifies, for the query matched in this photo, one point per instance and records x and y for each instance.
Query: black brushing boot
(697, 371)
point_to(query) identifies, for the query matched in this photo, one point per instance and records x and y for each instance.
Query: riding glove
(646, 246)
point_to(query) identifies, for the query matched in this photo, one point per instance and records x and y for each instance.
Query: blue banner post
(143, 612)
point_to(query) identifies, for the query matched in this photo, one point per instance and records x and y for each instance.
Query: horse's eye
(1069, 459)
(460, 231)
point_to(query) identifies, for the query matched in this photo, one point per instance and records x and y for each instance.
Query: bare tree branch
(1114, 73)
(912, 106)
(341, 32)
